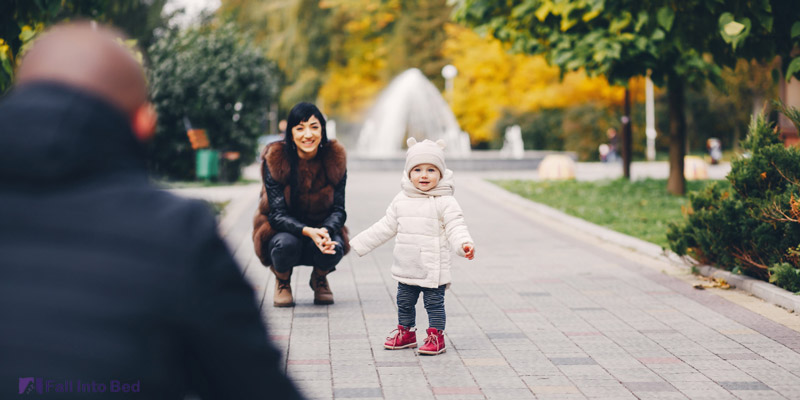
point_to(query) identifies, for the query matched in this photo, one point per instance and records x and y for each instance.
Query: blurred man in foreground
(109, 286)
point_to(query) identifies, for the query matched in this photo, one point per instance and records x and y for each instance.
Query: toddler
(428, 223)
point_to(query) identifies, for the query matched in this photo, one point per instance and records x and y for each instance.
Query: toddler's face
(424, 177)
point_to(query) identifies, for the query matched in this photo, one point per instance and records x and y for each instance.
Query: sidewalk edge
(758, 288)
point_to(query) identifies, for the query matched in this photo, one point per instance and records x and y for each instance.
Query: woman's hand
(321, 238)
(469, 250)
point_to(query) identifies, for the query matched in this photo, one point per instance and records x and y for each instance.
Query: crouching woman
(301, 214)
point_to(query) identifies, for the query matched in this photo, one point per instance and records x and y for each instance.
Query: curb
(758, 288)
(763, 290)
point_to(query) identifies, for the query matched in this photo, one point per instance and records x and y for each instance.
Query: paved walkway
(541, 313)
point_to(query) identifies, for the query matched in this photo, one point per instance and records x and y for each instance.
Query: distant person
(110, 287)
(301, 215)
(282, 127)
(613, 143)
(429, 225)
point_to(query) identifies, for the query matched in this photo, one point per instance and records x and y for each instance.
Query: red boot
(403, 339)
(434, 343)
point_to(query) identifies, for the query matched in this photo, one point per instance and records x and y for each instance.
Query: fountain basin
(478, 160)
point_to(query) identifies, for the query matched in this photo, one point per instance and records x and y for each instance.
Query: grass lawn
(218, 207)
(642, 209)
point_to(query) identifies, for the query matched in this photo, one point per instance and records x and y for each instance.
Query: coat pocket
(408, 262)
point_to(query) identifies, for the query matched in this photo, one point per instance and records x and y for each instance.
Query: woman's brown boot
(319, 283)
(283, 289)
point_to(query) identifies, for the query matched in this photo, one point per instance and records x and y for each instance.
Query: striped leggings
(433, 298)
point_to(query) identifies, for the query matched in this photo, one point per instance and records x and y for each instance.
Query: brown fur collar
(333, 155)
(315, 189)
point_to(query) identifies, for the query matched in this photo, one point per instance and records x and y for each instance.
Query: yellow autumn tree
(377, 41)
(356, 70)
(491, 80)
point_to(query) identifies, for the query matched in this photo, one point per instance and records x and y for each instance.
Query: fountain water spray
(410, 106)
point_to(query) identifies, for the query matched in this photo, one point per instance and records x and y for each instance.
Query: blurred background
(228, 71)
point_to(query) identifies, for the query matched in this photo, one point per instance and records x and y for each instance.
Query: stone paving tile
(740, 356)
(560, 396)
(539, 390)
(606, 392)
(790, 391)
(485, 361)
(584, 371)
(660, 395)
(534, 294)
(456, 380)
(688, 377)
(703, 390)
(637, 387)
(315, 389)
(508, 394)
(637, 374)
(547, 380)
(456, 390)
(308, 374)
(357, 393)
(404, 380)
(573, 361)
(495, 382)
(757, 394)
(744, 385)
(396, 364)
(406, 393)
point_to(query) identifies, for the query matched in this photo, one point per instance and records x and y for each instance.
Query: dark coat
(320, 195)
(105, 277)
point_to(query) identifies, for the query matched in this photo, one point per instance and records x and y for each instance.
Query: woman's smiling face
(307, 136)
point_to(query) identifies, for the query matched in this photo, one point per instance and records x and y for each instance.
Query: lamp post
(449, 72)
(650, 119)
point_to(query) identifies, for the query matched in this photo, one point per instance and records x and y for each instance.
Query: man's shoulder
(163, 213)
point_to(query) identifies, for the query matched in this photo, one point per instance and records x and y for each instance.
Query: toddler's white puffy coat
(427, 225)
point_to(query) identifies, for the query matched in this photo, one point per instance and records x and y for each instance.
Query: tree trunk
(676, 184)
(627, 137)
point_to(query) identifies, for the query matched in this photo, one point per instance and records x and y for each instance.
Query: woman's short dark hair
(301, 112)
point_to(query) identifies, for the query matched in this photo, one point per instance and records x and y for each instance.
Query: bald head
(90, 57)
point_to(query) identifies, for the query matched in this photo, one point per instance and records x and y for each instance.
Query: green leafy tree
(296, 35)
(679, 42)
(22, 20)
(220, 82)
(342, 52)
(417, 37)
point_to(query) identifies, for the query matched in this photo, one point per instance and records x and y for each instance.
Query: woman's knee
(285, 250)
(328, 261)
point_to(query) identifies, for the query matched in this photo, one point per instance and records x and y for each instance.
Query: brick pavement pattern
(536, 315)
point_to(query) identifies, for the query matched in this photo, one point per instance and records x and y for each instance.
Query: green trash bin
(207, 166)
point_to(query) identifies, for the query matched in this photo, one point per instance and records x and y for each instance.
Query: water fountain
(411, 106)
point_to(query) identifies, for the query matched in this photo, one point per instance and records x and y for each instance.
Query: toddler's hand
(469, 250)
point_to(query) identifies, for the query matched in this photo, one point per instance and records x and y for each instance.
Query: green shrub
(786, 276)
(221, 82)
(754, 227)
